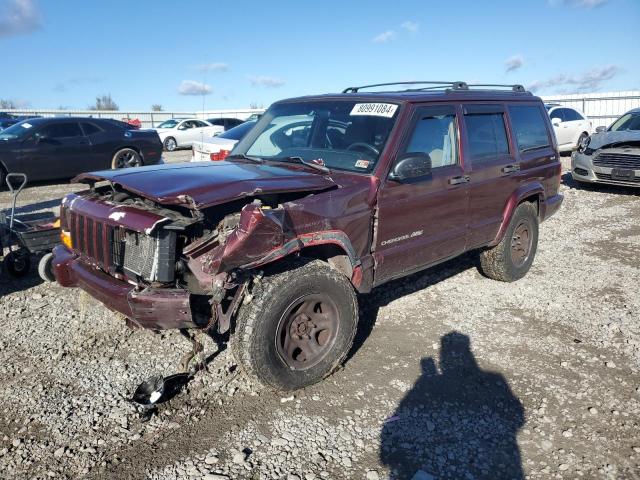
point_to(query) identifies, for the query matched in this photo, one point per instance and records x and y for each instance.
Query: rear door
(493, 171)
(424, 220)
(57, 150)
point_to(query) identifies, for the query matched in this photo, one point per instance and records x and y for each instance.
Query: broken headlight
(584, 146)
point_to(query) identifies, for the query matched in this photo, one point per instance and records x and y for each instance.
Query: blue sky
(64, 53)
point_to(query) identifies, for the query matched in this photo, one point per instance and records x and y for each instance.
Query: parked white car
(218, 147)
(183, 132)
(572, 127)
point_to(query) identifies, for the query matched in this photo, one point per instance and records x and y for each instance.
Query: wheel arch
(332, 247)
(533, 193)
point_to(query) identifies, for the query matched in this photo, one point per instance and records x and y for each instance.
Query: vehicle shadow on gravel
(33, 207)
(9, 284)
(458, 422)
(568, 181)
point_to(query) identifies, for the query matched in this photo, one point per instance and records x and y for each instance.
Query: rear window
(487, 136)
(236, 133)
(529, 127)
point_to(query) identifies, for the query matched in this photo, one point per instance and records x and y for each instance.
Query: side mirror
(411, 165)
(41, 139)
(182, 127)
(555, 121)
(601, 129)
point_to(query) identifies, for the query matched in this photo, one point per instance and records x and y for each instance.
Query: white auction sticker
(374, 109)
(26, 125)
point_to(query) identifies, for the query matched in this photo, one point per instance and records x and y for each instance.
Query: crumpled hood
(198, 185)
(602, 139)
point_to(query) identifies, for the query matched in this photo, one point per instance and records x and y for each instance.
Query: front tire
(126, 158)
(511, 259)
(170, 144)
(298, 327)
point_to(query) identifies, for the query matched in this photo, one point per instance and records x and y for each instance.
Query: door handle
(458, 180)
(510, 168)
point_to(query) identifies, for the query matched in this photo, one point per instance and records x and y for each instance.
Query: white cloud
(411, 27)
(590, 80)
(265, 81)
(191, 87)
(513, 63)
(213, 67)
(384, 37)
(18, 17)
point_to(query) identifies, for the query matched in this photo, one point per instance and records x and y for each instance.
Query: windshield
(17, 131)
(628, 121)
(341, 134)
(236, 133)
(168, 123)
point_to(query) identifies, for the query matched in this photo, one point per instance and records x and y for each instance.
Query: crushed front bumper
(153, 308)
(583, 170)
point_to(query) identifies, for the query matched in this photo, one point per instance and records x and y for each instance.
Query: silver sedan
(611, 155)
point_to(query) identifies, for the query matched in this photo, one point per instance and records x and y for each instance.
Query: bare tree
(156, 107)
(6, 104)
(104, 102)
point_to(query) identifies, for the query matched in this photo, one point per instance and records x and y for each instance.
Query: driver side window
(436, 134)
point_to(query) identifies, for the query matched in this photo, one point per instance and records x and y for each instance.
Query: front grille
(139, 254)
(151, 257)
(617, 160)
(607, 176)
(89, 237)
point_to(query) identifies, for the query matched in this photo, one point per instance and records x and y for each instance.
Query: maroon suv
(326, 197)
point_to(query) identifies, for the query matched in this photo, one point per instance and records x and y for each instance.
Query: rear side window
(529, 127)
(487, 136)
(90, 129)
(61, 130)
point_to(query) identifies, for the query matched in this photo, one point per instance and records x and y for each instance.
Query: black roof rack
(435, 85)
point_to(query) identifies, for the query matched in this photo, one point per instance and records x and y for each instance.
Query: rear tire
(170, 144)
(126, 158)
(511, 259)
(45, 268)
(18, 262)
(298, 327)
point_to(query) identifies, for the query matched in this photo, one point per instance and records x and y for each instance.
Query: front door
(423, 220)
(57, 150)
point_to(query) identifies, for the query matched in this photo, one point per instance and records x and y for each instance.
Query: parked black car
(7, 122)
(227, 123)
(52, 148)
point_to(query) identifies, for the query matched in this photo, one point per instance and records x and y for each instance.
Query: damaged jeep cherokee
(327, 197)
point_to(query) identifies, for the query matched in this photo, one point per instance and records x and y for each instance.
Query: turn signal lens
(65, 237)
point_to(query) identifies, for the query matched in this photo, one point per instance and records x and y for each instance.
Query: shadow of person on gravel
(458, 423)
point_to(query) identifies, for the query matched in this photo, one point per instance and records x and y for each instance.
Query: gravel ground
(452, 376)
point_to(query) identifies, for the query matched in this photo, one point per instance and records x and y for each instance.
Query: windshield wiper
(301, 160)
(242, 156)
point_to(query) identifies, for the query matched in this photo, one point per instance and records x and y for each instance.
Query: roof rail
(515, 87)
(457, 86)
(453, 85)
